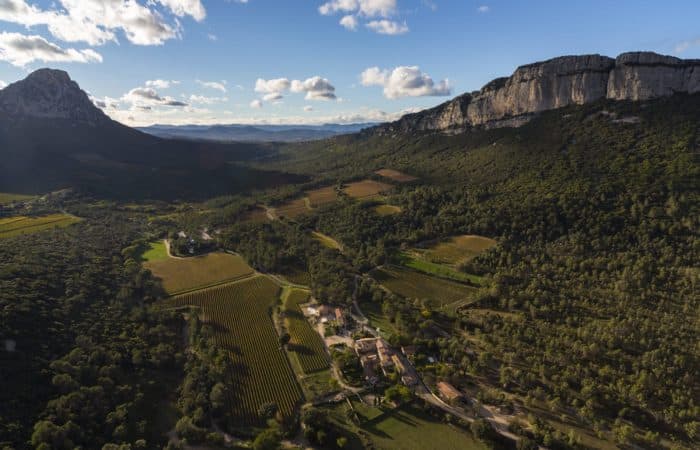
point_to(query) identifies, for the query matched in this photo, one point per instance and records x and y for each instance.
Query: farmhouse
(366, 345)
(385, 353)
(339, 317)
(449, 392)
(409, 351)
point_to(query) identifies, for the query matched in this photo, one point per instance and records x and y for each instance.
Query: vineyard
(260, 371)
(306, 343)
(15, 226)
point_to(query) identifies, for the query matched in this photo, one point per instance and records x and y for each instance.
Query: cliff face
(556, 83)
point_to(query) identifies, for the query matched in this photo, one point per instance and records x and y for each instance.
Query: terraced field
(458, 249)
(411, 284)
(260, 371)
(306, 343)
(179, 275)
(366, 189)
(16, 226)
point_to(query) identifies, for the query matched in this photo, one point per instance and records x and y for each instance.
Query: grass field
(377, 319)
(395, 175)
(155, 251)
(322, 196)
(411, 284)
(16, 226)
(179, 275)
(387, 210)
(415, 262)
(6, 197)
(458, 249)
(260, 371)
(257, 215)
(327, 241)
(292, 209)
(366, 189)
(306, 344)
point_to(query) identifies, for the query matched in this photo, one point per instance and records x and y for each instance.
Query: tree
(398, 394)
(267, 440)
(284, 339)
(267, 410)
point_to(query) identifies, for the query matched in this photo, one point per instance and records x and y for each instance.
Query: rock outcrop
(557, 83)
(49, 94)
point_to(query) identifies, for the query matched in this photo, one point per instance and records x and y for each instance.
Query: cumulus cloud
(257, 104)
(316, 88)
(274, 86)
(483, 9)
(3, 85)
(308, 108)
(20, 50)
(161, 84)
(97, 22)
(204, 100)
(388, 27)
(216, 85)
(149, 97)
(378, 10)
(404, 81)
(349, 22)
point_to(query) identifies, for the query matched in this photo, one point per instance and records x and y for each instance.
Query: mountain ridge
(556, 83)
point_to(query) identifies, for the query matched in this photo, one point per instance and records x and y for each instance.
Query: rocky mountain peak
(49, 94)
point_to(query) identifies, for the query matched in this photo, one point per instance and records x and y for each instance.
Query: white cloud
(257, 104)
(204, 100)
(685, 45)
(97, 22)
(404, 81)
(308, 108)
(216, 85)
(349, 22)
(274, 86)
(388, 27)
(161, 84)
(316, 88)
(212, 37)
(483, 9)
(272, 97)
(20, 50)
(369, 8)
(3, 85)
(148, 97)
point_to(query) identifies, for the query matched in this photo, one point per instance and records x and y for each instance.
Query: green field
(411, 284)
(260, 371)
(306, 344)
(16, 226)
(387, 210)
(377, 319)
(6, 197)
(415, 262)
(327, 241)
(155, 251)
(457, 249)
(179, 275)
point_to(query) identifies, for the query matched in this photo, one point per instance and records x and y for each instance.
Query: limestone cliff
(556, 83)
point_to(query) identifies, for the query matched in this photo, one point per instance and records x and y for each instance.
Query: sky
(314, 61)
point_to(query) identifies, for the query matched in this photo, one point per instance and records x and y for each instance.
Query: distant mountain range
(254, 133)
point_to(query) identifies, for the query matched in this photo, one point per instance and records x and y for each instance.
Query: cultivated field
(366, 189)
(414, 260)
(322, 196)
(16, 226)
(306, 343)
(387, 210)
(458, 249)
(179, 275)
(257, 215)
(292, 209)
(327, 241)
(300, 277)
(260, 371)
(411, 284)
(395, 175)
(6, 197)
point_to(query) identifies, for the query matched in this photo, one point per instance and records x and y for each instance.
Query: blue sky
(205, 58)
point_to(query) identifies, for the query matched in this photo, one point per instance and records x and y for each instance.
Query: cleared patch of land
(306, 344)
(256, 215)
(16, 226)
(260, 372)
(415, 261)
(155, 251)
(387, 210)
(395, 175)
(292, 209)
(6, 197)
(179, 275)
(458, 249)
(327, 241)
(322, 196)
(366, 189)
(411, 284)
